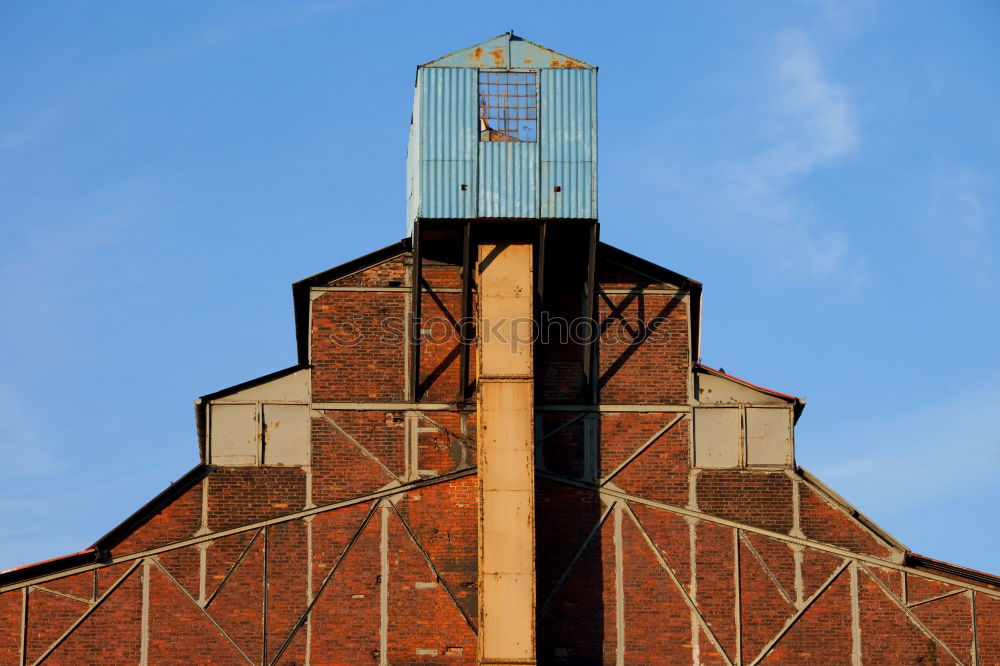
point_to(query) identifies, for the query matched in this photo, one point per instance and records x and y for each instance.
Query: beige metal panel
(769, 436)
(509, 633)
(507, 533)
(714, 390)
(506, 317)
(508, 552)
(290, 388)
(718, 436)
(286, 434)
(235, 435)
(506, 437)
(506, 469)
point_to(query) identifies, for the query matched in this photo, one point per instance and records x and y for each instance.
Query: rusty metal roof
(508, 51)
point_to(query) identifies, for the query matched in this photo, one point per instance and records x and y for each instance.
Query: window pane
(508, 106)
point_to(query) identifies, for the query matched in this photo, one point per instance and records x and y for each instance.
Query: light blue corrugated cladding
(452, 173)
(508, 179)
(441, 163)
(568, 137)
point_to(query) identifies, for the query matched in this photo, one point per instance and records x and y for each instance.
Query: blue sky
(829, 170)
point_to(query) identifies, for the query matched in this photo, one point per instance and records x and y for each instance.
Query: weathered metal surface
(506, 455)
(469, 157)
(505, 310)
(235, 434)
(508, 51)
(278, 409)
(528, 54)
(715, 390)
(743, 436)
(568, 141)
(442, 157)
(293, 387)
(508, 179)
(286, 434)
(769, 436)
(567, 190)
(718, 440)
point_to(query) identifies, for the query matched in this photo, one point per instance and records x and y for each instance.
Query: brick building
(497, 446)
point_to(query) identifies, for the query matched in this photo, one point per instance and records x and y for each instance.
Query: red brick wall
(394, 576)
(644, 349)
(358, 346)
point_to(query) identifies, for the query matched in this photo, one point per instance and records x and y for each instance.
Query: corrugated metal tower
(504, 129)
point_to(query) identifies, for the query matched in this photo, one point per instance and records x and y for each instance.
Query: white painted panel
(235, 435)
(286, 434)
(769, 436)
(717, 437)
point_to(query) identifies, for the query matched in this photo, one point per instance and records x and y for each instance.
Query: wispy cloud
(790, 124)
(811, 123)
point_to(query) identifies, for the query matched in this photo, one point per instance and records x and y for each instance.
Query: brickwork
(179, 521)
(822, 634)
(175, 624)
(655, 624)
(243, 495)
(643, 354)
(425, 624)
(358, 346)
(389, 273)
(237, 605)
(822, 522)
(80, 586)
(184, 566)
(767, 604)
(578, 625)
(440, 347)
(332, 453)
(346, 617)
(988, 628)
(662, 471)
(950, 619)
(287, 557)
(10, 626)
(368, 554)
(450, 546)
(110, 634)
(446, 442)
(758, 498)
(59, 613)
(380, 434)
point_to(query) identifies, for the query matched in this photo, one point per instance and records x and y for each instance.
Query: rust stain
(527, 61)
(497, 54)
(476, 55)
(568, 63)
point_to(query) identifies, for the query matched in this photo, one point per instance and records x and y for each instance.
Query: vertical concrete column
(506, 464)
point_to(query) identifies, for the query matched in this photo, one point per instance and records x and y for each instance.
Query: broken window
(508, 106)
